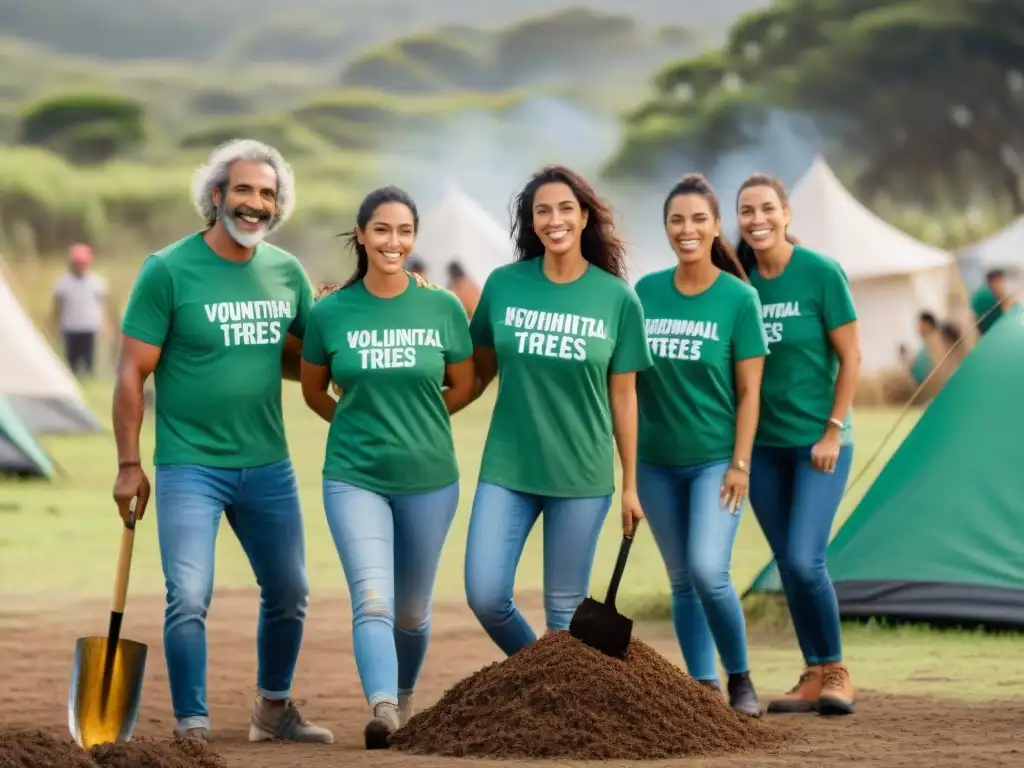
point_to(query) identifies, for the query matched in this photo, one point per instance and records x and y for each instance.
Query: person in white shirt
(80, 309)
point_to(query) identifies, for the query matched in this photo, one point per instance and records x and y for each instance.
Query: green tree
(926, 95)
(86, 128)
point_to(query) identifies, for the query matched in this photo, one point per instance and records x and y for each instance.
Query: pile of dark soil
(36, 749)
(559, 698)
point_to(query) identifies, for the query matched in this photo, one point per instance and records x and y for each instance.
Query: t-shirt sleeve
(836, 299)
(749, 339)
(313, 350)
(147, 317)
(631, 352)
(458, 344)
(480, 329)
(60, 288)
(304, 306)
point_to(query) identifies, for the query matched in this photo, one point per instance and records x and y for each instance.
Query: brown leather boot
(803, 697)
(836, 691)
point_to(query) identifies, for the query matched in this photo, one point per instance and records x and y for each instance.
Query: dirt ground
(36, 654)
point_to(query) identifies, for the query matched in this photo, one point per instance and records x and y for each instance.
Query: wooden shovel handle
(124, 563)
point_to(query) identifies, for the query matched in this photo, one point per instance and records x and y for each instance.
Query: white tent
(893, 277)
(460, 229)
(1004, 249)
(41, 389)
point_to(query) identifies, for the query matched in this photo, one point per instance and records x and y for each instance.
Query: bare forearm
(455, 400)
(747, 412)
(127, 412)
(846, 388)
(624, 423)
(323, 405)
(291, 364)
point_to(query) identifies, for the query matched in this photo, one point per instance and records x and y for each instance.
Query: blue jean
(795, 505)
(695, 535)
(498, 528)
(390, 548)
(262, 506)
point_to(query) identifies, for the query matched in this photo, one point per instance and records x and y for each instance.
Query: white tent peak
(458, 228)
(829, 219)
(893, 277)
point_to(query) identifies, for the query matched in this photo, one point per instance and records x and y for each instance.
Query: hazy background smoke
(490, 160)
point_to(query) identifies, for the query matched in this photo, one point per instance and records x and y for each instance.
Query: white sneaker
(383, 723)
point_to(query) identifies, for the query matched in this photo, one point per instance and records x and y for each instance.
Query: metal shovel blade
(100, 713)
(601, 627)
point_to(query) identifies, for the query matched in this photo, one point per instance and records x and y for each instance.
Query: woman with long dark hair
(390, 478)
(698, 415)
(564, 332)
(804, 445)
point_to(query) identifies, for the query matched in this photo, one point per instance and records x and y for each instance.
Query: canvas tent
(939, 535)
(459, 228)
(20, 453)
(893, 277)
(40, 388)
(1004, 249)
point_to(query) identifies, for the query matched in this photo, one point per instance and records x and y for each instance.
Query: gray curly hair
(215, 172)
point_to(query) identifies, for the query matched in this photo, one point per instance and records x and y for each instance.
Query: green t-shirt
(221, 326)
(688, 398)
(921, 366)
(556, 344)
(981, 302)
(391, 431)
(799, 308)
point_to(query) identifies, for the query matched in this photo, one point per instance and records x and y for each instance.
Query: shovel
(106, 679)
(599, 625)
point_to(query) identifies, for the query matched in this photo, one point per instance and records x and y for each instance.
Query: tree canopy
(926, 96)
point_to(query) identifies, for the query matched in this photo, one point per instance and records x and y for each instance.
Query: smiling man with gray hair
(218, 318)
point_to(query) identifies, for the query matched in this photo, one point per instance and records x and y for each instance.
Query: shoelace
(804, 678)
(833, 678)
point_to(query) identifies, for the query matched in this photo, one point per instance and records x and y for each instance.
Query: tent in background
(460, 229)
(893, 277)
(1003, 249)
(42, 390)
(20, 453)
(939, 535)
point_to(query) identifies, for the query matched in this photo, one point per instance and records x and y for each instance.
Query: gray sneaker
(384, 722)
(282, 721)
(405, 710)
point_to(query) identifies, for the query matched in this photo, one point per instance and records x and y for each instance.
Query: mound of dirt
(559, 698)
(36, 749)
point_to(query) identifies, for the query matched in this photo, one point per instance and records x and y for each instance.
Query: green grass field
(58, 543)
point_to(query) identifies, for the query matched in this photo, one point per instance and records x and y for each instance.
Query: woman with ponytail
(804, 445)
(390, 480)
(698, 415)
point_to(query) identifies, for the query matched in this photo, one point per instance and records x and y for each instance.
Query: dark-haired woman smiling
(698, 415)
(564, 332)
(391, 483)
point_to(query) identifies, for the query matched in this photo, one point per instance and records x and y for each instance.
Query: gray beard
(244, 239)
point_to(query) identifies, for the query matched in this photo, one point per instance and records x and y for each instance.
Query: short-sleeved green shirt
(556, 345)
(221, 326)
(982, 301)
(799, 308)
(688, 397)
(391, 431)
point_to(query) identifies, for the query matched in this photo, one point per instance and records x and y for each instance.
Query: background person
(390, 478)
(81, 310)
(804, 445)
(565, 331)
(698, 415)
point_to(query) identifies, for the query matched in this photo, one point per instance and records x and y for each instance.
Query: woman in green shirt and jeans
(804, 445)
(698, 414)
(390, 480)
(564, 332)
